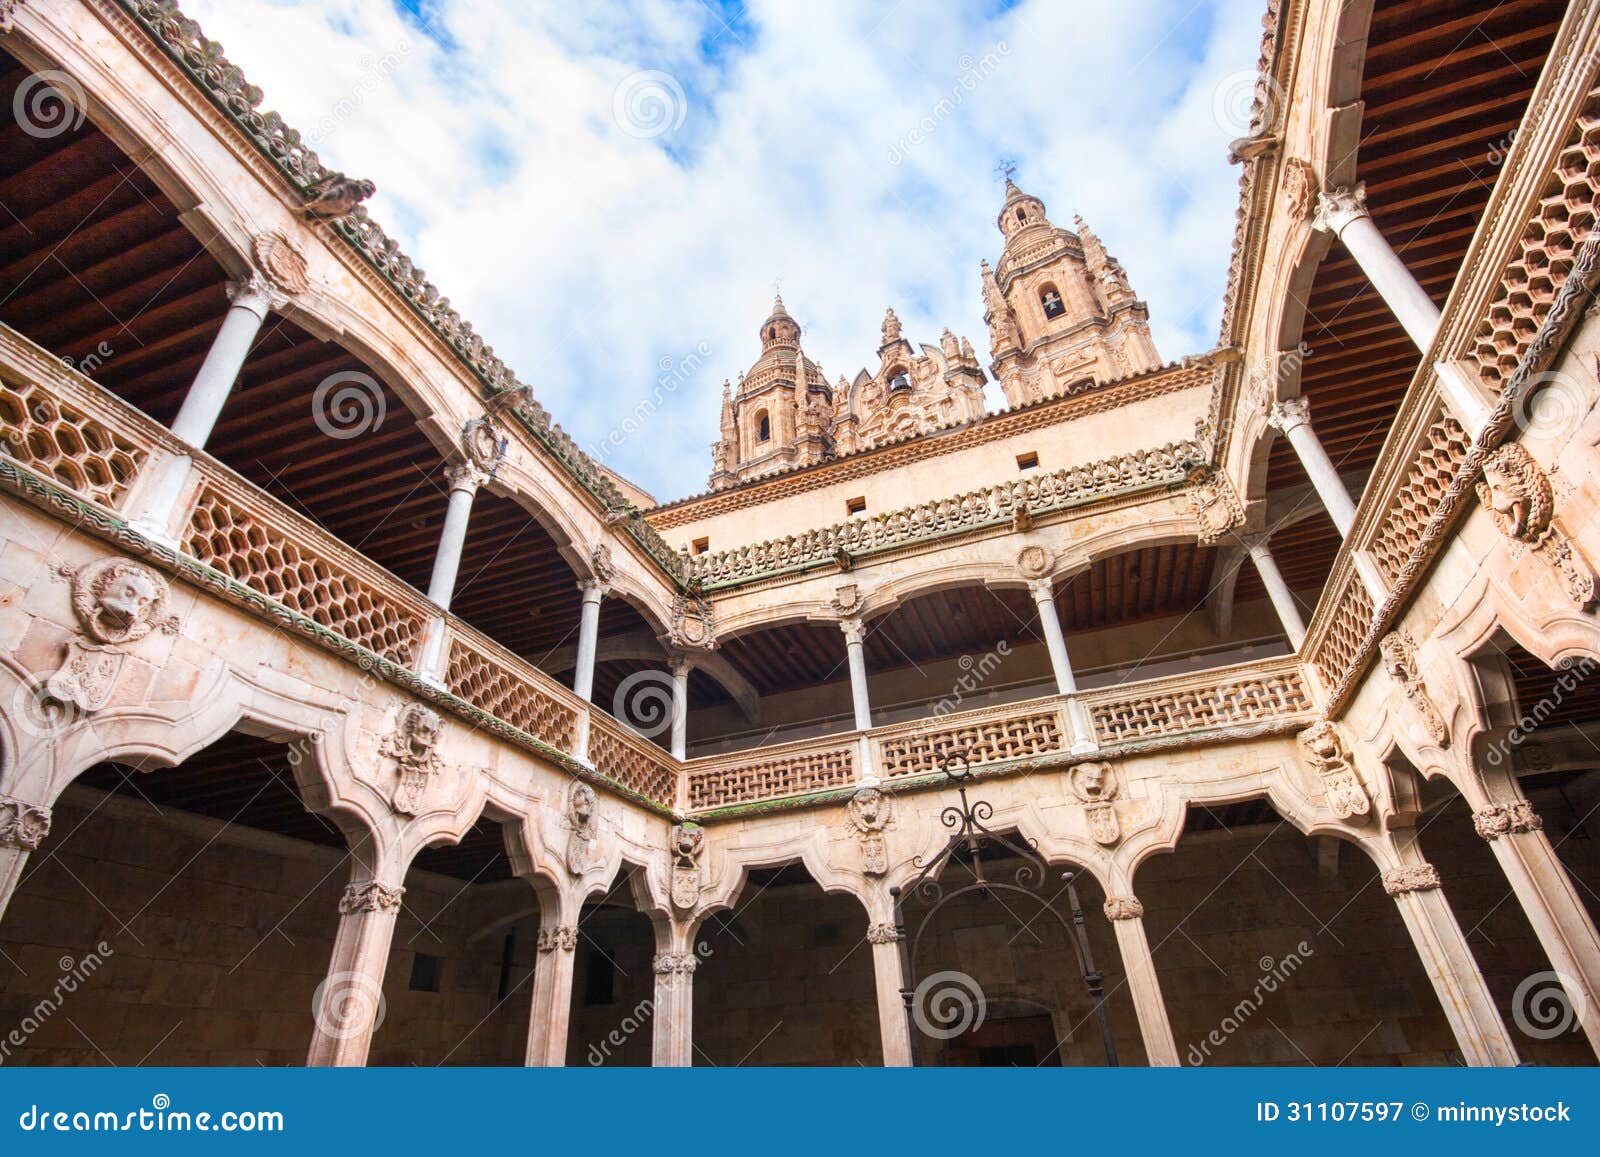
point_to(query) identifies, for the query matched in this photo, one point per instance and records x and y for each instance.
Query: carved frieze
(870, 811)
(1095, 785)
(370, 896)
(686, 842)
(1123, 908)
(22, 825)
(413, 746)
(1329, 758)
(117, 602)
(564, 937)
(675, 963)
(1410, 878)
(1400, 661)
(1514, 819)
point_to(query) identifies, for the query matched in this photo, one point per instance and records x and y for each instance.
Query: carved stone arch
(728, 868)
(317, 724)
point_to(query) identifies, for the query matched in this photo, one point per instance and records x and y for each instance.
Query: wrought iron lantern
(966, 821)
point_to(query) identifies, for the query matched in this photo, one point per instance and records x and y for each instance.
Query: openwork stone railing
(302, 567)
(636, 763)
(61, 427)
(1173, 710)
(1253, 695)
(89, 455)
(1547, 270)
(789, 769)
(990, 506)
(491, 678)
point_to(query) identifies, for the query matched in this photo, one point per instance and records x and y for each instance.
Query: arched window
(1050, 299)
(763, 427)
(1022, 215)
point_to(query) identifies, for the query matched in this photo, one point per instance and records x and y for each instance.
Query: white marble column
(1126, 914)
(888, 971)
(856, 654)
(1277, 590)
(464, 478)
(252, 299)
(1343, 213)
(1553, 907)
(250, 302)
(681, 666)
(1043, 591)
(551, 1014)
(348, 1000)
(1446, 957)
(588, 634)
(1293, 417)
(672, 1040)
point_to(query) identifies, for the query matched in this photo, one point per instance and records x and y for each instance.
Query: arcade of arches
(1242, 709)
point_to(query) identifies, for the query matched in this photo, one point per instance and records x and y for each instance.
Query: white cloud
(587, 255)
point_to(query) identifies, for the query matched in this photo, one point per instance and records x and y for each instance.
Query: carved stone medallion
(583, 841)
(117, 602)
(870, 812)
(412, 746)
(1328, 757)
(1095, 785)
(685, 843)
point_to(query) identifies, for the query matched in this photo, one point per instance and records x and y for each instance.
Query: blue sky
(610, 191)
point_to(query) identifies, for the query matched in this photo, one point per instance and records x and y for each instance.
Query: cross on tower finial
(1005, 168)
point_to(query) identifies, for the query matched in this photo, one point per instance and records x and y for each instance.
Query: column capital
(675, 963)
(464, 476)
(1338, 208)
(564, 937)
(1423, 877)
(854, 632)
(1123, 908)
(593, 589)
(1289, 414)
(370, 896)
(884, 933)
(1042, 589)
(1493, 822)
(257, 293)
(680, 664)
(23, 825)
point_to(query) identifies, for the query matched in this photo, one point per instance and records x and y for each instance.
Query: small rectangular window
(1028, 461)
(700, 545)
(425, 971)
(855, 505)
